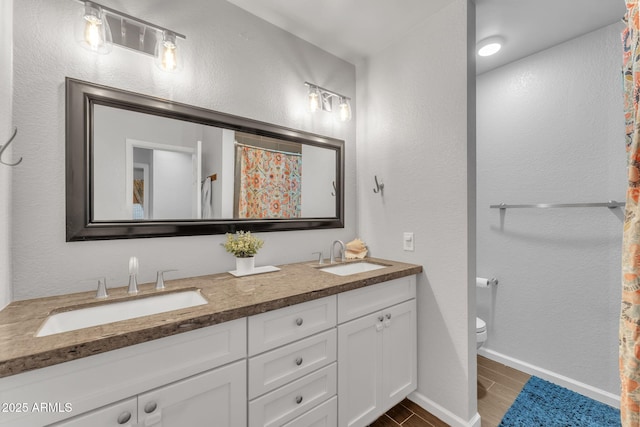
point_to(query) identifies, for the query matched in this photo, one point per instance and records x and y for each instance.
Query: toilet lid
(480, 325)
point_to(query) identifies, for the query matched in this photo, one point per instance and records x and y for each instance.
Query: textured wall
(6, 75)
(551, 130)
(234, 63)
(412, 134)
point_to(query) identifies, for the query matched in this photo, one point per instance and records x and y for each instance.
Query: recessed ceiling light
(490, 46)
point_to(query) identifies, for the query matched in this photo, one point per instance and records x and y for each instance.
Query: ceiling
(355, 29)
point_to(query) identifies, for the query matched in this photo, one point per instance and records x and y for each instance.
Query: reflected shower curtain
(270, 183)
(629, 336)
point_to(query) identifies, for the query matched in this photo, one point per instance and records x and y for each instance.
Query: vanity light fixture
(490, 46)
(322, 99)
(101, 27)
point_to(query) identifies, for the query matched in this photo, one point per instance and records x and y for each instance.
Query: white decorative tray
(257, 270)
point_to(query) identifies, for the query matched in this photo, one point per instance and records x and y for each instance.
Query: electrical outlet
(407, 241)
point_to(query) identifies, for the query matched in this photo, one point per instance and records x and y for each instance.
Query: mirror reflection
(149, 167)
(139, 166)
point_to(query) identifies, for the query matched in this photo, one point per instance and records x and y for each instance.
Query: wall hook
(379, 186)
(4, 147)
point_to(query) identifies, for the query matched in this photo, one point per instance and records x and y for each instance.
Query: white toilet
(481, 332)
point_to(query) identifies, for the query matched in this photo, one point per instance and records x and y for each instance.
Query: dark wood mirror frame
(82, 96)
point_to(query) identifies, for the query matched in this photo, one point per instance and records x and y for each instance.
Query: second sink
(116, 311)
(352, 268)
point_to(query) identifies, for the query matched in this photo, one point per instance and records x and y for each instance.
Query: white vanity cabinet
(292, 366)
(217, 395)
(377, 354)
(192, 374)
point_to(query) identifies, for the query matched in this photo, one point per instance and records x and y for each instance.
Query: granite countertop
(229, 298)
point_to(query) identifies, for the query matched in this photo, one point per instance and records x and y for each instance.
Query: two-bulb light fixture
(101, 27)
(322, 99)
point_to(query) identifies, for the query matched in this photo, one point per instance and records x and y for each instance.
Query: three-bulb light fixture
(100, 27)
(322, 99)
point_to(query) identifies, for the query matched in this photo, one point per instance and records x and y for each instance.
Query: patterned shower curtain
(629, 336)
(270, 183)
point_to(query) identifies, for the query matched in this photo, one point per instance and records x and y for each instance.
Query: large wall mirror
(139, 166)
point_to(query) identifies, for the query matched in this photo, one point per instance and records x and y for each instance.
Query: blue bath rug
(543, 404)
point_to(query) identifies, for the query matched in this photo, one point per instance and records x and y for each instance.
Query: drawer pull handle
(299, 361)
(388, 315)
(150, 407)
(299, 400)
(124, 417)
(380, 318)
(299, 321)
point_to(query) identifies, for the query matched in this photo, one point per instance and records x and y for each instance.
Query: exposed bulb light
(490, 46)
(93, 30)
(345, 109)
(321, 99)
(314, 99)
(167, 55)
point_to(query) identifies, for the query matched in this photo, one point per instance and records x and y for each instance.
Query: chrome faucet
(102, 288)
(332, 258)
(133, 272)
(160, 279)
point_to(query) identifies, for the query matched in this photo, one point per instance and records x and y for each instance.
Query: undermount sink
(352, 268)
(116, 311)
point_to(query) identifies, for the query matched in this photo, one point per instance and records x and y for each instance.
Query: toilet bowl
(481, 332)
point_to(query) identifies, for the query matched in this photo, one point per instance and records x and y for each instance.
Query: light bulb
(345, 110)
(167, 57)
(314, 101)
(490, 46)
(93, 31)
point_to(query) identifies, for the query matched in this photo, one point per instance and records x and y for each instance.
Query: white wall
(234, 63)
(551, 130)
(6, 79)
(413, 134)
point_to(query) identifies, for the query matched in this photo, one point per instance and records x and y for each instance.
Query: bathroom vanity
(297, 347)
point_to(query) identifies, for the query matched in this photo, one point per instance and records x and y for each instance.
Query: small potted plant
(243, 246)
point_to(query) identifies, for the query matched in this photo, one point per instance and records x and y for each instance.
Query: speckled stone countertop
(229, 298)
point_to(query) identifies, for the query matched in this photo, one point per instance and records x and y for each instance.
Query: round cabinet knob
(299, 361)
(299, 400)
(388, 316)
(124, 417)
(150, 407)
(299, 321)
(380, 318)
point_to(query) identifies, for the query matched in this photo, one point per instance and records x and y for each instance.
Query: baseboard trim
(442, 413)
(577, 386)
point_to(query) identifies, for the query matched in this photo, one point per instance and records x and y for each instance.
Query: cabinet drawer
(372, 298)
(324, 415)
(282, 365)
(286, 403)
(282, 326)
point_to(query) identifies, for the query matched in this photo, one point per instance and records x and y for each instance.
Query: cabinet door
(216, 397)
(121, 414)
(399, 353)
(359, 370)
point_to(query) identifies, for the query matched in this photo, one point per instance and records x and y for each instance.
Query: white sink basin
(116, 311)
(352, 268)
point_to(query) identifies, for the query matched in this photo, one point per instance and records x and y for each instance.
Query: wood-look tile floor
(498, 387)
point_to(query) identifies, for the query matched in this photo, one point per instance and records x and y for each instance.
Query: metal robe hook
(379, 186)
(4, 147)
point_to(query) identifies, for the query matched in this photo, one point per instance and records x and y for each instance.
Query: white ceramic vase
(245, 265)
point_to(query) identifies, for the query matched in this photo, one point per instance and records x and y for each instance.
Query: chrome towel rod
(611, 204)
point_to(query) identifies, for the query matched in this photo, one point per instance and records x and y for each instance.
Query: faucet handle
(320, 257)
(160, 279)
(102, 288)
